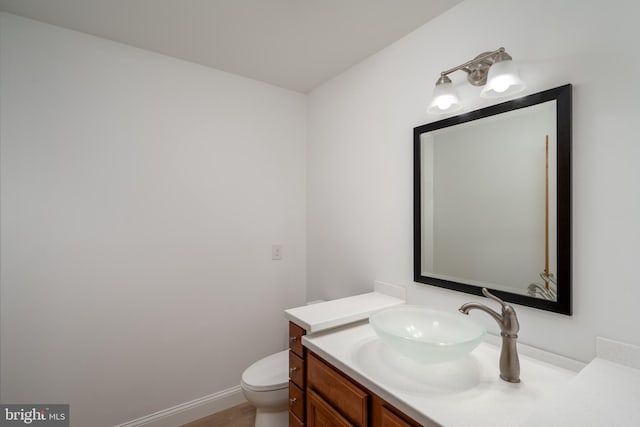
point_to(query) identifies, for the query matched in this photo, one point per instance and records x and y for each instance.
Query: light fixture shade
(503, 80)
(445, 99)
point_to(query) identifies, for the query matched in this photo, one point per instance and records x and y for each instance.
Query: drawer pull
(293, 338)
(293, 400)
(293, 369)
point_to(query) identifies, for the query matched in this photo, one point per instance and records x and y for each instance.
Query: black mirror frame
(562, 96)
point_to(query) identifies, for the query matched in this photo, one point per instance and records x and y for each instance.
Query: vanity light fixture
(493, 70)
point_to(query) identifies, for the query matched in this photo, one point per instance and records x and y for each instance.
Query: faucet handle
(509, 322)
(489, 295)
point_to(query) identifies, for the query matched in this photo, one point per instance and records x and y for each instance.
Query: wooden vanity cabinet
(333, 399)
(322, 396)
(385, 415)
(321, 414)
(297, 376)
(338, 392)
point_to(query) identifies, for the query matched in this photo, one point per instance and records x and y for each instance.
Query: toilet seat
(268, 374)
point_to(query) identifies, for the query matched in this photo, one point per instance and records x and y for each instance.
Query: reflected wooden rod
(546, 214)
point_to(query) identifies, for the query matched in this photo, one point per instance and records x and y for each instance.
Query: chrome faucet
(509, 327)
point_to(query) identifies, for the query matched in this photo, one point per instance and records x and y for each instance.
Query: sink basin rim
(421, 348)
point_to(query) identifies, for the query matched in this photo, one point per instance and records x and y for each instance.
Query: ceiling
(294, 44)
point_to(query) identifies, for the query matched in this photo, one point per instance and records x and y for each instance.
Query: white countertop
(329, 314)
(466, 392)
(554, 391)
(605, 393)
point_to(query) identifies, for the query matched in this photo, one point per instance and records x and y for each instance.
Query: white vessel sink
(426, 335)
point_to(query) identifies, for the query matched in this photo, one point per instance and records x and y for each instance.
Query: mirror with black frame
(492, 201)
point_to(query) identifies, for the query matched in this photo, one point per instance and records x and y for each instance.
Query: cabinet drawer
(350, 400)
(321, 414)
(296, 369)
(296, 400)
(389, 419)
(294, 421)
(295, 338)
(385, 415)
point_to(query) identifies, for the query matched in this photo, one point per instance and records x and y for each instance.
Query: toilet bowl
(265, 384)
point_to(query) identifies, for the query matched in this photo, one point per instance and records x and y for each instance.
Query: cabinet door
(338, 391)
(321, 414)
(389, 419)
(385, 415)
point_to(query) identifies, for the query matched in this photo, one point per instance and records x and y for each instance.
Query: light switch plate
(276, 252)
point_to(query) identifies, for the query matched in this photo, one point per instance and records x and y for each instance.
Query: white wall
(140, 199)
(360, 158)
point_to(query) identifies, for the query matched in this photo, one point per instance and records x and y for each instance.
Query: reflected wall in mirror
(492, 201)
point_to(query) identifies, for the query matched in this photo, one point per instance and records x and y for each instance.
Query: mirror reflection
(487, 194)
(485, 201)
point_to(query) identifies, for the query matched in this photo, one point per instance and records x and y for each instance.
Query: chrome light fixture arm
(494, 70)
(486, 59)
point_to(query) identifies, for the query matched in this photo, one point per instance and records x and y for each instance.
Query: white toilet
(265, 384)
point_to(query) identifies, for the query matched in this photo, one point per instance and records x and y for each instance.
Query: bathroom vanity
(464, 392)
(319, 394)
(342, 374)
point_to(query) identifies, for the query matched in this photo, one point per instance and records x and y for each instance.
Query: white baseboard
(191, 411)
